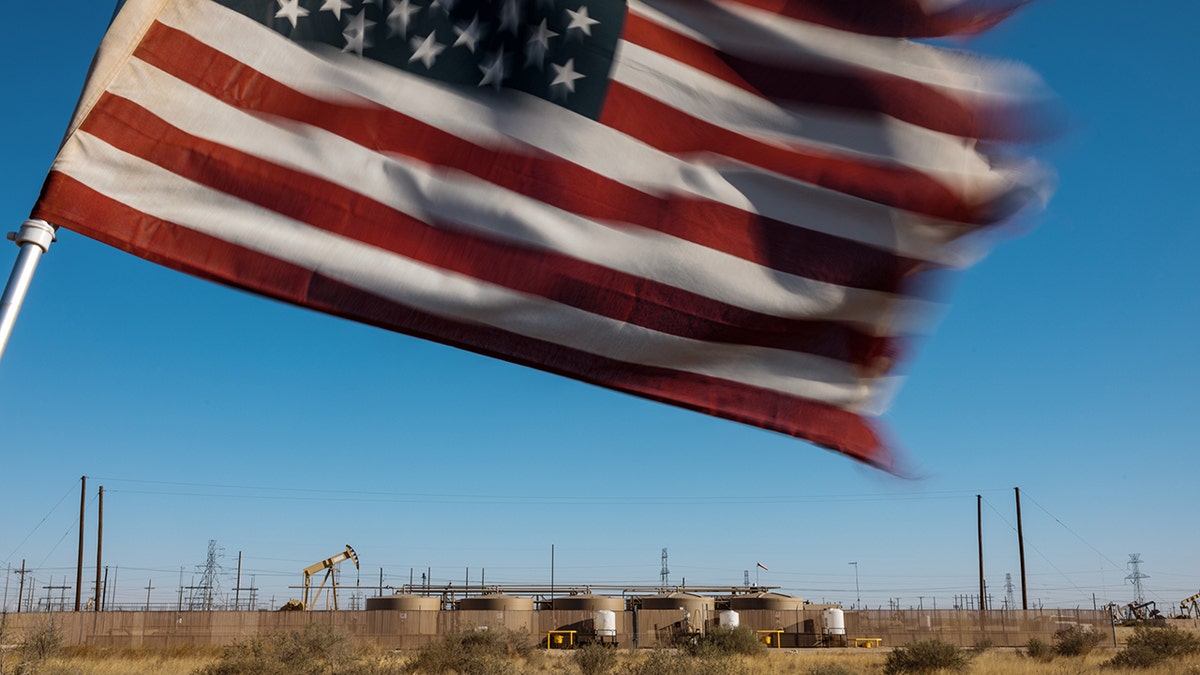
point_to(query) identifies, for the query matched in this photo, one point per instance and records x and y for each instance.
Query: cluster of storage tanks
(679, 600)
(699, 610)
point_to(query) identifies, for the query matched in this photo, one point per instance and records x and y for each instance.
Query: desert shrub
(39, 644)
(982, 645)
(665, 662)
(596, 659)
(925, 657)
(473, 652)
(317, 650)
(1075, 641)
(1149, 647)
(1039, 649)
(722, 641)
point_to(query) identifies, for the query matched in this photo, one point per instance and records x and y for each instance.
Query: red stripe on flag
(69, 203)
(893, 18)
(849, 88)
(764, 241)
(664, 127)
(567, 280)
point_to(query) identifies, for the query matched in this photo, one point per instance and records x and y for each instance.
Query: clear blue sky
(1066, 366)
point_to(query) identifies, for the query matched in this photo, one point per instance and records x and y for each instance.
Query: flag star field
(561, 51)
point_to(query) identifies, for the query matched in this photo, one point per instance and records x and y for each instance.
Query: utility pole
(979, 523)
(21, 587)
(79, 566)
(237, 591)
(49, 593)
(149, 587)
(857, 594)
(99, 546)
(1021, 550)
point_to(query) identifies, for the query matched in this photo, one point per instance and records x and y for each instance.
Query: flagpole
(34, 238)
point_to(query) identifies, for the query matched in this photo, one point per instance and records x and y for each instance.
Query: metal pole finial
(34, 238)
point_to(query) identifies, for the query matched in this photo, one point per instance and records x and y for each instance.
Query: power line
(312, 494)
(70, 490)
(1068, 529)
(1039, 552)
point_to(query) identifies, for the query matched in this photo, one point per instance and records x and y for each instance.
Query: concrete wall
(410, 629)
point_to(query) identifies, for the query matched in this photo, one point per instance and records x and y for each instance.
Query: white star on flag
(470, 35)
(494, 71)
(538, 45)
(335, 6)
(356, 33)
(565, 75)
(510, 16)
(581, 21)
(426, 49)
(398, 18)
(291, 10)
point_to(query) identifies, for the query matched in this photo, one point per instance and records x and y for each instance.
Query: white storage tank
(606, 623)
(835, 621)
(728, 619)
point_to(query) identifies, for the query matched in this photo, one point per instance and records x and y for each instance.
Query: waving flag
(726, 205)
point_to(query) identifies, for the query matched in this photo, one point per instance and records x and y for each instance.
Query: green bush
(473, 652)
(982, 645)
(1075, 641)
(721, 641)
(1039, 649)
(925, 657)
(1149, 647)
(596, 659)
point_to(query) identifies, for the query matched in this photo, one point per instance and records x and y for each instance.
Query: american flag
(725, 205)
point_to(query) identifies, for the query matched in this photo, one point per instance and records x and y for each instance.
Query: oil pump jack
(327, 564)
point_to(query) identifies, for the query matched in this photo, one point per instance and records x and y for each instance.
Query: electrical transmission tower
(745, 577)
(1009, 603)
(665, 574)
(210, 584)
(1135, 577)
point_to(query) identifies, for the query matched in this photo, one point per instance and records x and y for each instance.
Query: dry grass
(998, 661)
(122, 664)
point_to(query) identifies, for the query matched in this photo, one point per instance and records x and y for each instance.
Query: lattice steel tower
(1009, 603)
(210, 583)
(1135, 577)
(665, 574)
